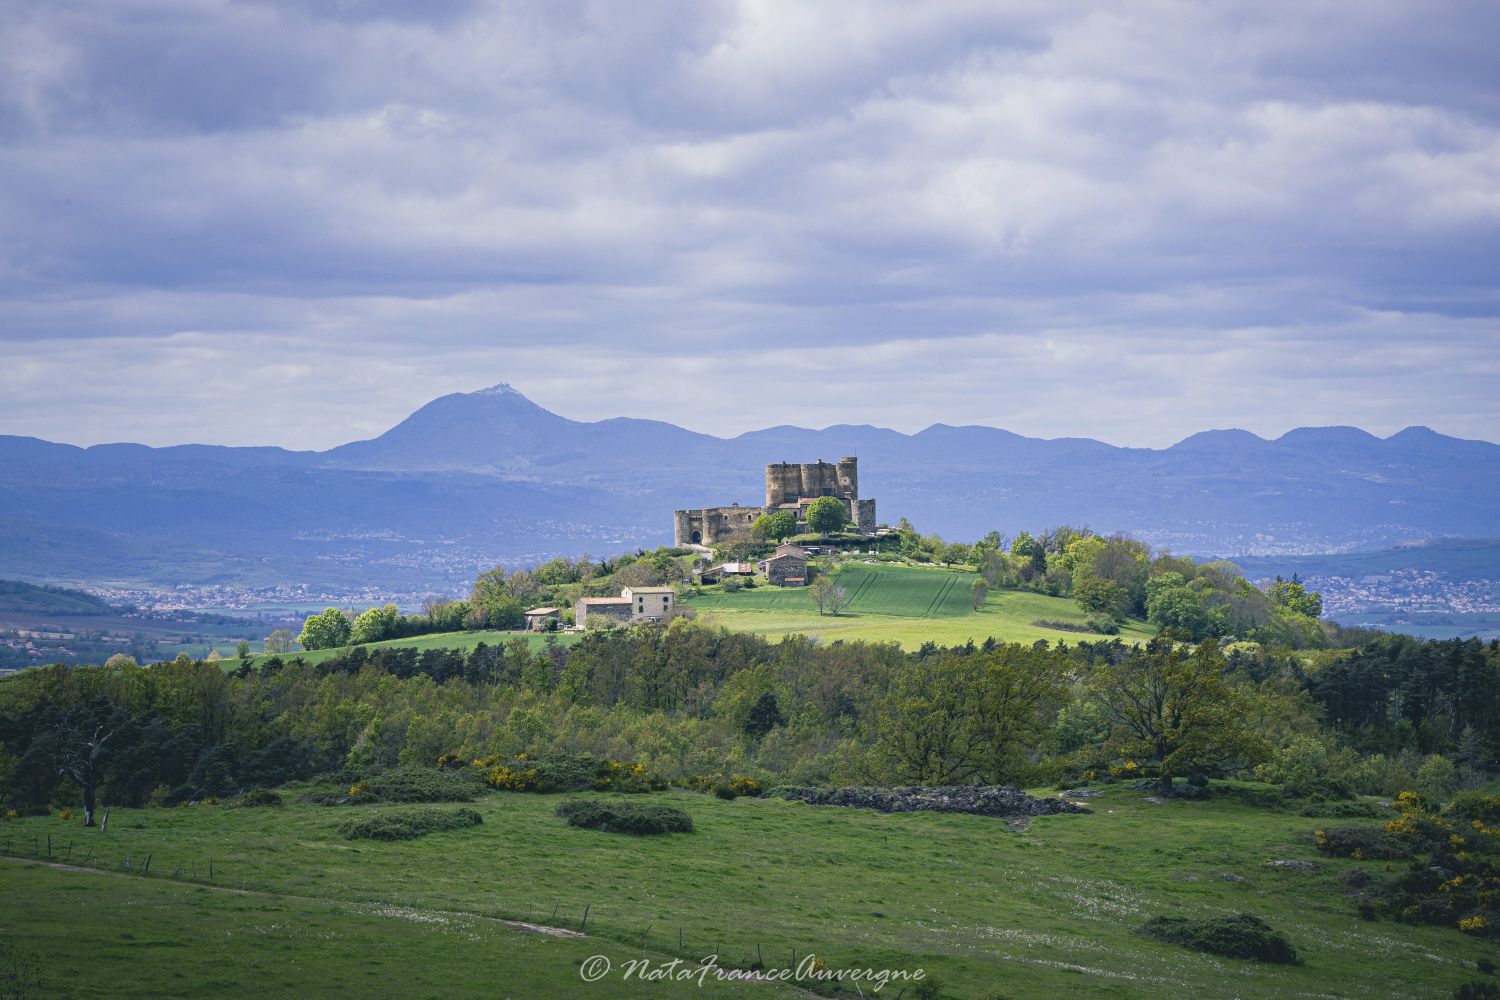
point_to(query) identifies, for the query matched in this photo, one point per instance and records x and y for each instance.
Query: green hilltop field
(988, 911)
(909, 605)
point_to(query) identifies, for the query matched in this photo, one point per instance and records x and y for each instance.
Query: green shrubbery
(1352, 840)
(1452, 878)
(1475, 807)
(403, 785)
(625, 817)
(1237, 935)
(1324, 809)
(564, 772)
(408, 825)
(260, 797)
(724, 786)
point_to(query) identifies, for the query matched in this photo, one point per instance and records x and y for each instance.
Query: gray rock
(980, 800)
(1232, 877)
(1081, 793)
(1300, 867)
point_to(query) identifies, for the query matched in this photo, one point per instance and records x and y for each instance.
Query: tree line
(687, 699)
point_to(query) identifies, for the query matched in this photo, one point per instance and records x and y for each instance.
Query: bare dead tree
(81, 760)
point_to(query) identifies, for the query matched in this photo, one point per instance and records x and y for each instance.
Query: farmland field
(904, 604)
(294, 909)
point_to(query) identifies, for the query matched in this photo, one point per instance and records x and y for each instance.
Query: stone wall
(594, 615)
(711, 525)
(788, 482)
(786, 571)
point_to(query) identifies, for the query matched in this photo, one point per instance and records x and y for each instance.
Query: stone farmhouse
(789, 486)
(635, 604)
(541, 619)
(787, 567)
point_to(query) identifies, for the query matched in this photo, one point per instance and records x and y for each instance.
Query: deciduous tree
(1174, 709)
(329, 630)
(826, 514)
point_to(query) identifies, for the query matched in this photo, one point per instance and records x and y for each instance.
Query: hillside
(903, 604)
(1458, 559)
(984, 910)
(475, 479)
(16, 596)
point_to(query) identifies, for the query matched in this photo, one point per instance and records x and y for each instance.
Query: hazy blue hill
(28, 597)
(1458, 559)
(490, 475)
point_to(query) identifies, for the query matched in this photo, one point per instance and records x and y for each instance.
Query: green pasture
(905, 604)
(1046, 911)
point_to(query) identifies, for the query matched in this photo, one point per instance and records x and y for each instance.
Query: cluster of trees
(499, 599)
(687, 699)
(825, 515)
(1117, 577)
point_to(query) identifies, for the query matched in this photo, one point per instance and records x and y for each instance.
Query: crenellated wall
(710, 525)
(787, 483)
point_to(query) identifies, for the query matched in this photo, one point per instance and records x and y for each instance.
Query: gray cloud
(1132, 222)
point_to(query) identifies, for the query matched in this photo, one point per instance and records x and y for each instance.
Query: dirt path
(520, 925)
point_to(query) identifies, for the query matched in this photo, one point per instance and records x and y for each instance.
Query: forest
(689, 702)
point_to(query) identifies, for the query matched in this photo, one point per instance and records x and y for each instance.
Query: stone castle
(789, 486)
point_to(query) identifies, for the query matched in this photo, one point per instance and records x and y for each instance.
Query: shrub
(1477, 989)
(1475, 807)
(402, 785)
(724, 787)
(1104, 625)
(260, 797)
(1261, 797)
(1342, 810)
(1237, 935)
(625, 817)
(1352, 840)
(1061, 626)
(564, 772)
(408, 825)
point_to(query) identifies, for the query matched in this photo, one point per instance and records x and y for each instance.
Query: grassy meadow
(1049, 910)
(905, 604)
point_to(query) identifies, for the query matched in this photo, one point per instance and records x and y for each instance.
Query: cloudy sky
(294, 222)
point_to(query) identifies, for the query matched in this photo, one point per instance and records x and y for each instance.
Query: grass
(1047, 912)
(904, 604)
(113, 935)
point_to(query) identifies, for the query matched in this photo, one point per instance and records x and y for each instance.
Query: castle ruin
(789, 486)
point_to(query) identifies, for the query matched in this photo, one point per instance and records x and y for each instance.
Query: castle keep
(789, 486)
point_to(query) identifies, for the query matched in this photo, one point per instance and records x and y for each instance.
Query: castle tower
(849, 477)
(783, 483)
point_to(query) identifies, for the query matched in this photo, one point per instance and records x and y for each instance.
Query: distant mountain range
(472, 479)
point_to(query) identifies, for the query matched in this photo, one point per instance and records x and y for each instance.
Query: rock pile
(981, 800)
